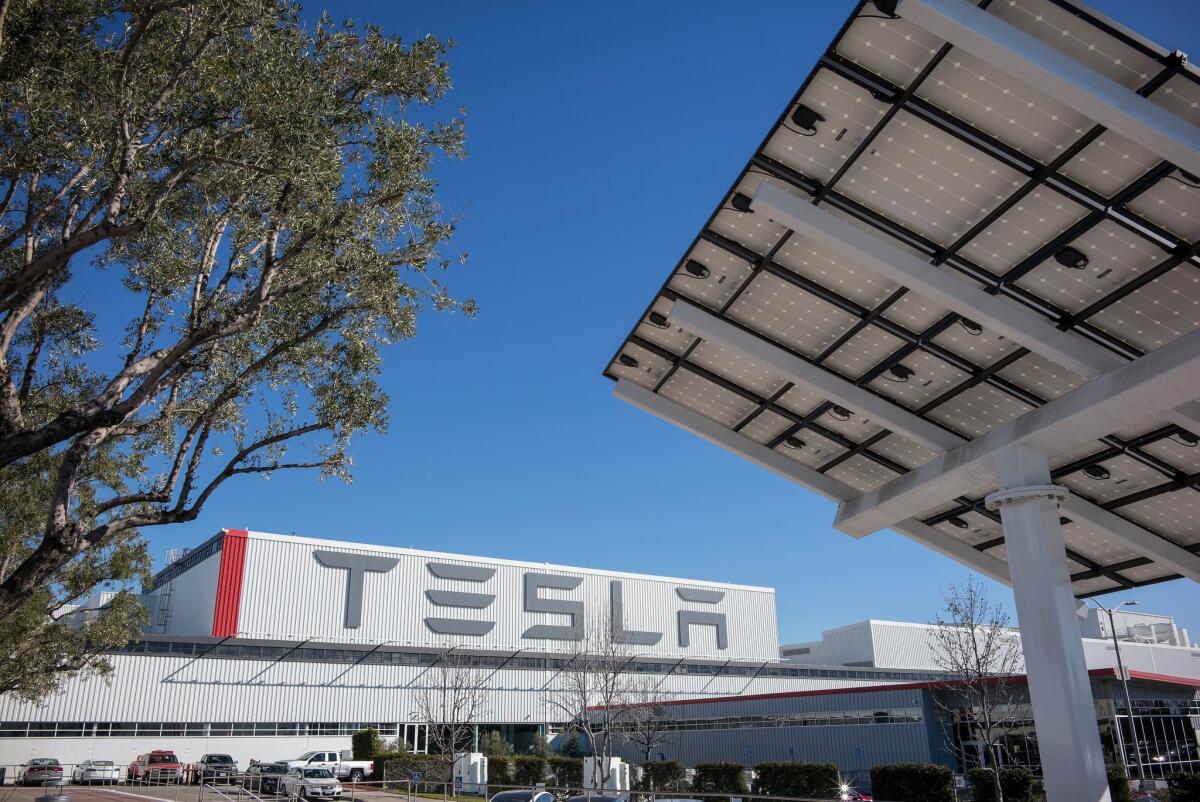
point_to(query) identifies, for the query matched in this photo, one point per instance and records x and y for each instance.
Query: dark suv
(211, 768)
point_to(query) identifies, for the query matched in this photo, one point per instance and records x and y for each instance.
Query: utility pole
(1112, 630)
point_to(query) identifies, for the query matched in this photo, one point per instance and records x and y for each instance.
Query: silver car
(310, 783)
(40, 770)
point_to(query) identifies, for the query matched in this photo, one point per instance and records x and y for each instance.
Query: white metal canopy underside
(951, 263)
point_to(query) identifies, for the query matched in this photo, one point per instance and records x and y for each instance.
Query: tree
(493, 744)
(213, 219)
(594, 691)
(450, 701)
(974, 644)
(643, 720)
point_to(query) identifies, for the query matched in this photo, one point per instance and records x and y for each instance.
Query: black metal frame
(1099, 209)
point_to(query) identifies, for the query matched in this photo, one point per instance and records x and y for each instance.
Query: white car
(96, 771)
(310, 783)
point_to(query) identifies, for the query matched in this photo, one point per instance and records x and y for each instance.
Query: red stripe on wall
(229, 584)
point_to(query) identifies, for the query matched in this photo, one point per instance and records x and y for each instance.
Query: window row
(128, 729)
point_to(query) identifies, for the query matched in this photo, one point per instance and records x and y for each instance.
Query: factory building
(267, 646)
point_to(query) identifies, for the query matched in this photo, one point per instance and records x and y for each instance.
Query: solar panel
(1019, 197)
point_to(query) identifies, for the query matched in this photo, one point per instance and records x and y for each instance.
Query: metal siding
(287, 594)
(193, 597)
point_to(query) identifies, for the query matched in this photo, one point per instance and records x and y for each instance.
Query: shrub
(661, 775)
(493, 744)
(366, 743)
(1184, 787)
(1016, 783)
(565, 772)
(499, 770)
(540, 746)
(797, 778)
(912, 782)
(1118, 785)
(399, 767)
(719, 778)
(529, 770)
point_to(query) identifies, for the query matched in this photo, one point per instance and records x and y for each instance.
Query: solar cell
(1011, 192)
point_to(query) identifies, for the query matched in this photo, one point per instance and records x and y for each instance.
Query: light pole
(1112, 629)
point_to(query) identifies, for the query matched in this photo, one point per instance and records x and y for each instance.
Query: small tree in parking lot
(366, 744)
(450, 701)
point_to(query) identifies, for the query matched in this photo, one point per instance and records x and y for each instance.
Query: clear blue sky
(600, 137)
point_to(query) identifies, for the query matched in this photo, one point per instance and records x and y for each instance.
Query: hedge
(499, 770)
(661, 775)
(912, 782)
(719, 778)
(564, 771)
(399, 766)
(1016, 783)
(797, 778)
(1184, 787)
(528, 770)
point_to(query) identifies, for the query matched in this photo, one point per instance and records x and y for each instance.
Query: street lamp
(1112, 629)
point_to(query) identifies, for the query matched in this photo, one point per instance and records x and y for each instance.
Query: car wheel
(356, 776)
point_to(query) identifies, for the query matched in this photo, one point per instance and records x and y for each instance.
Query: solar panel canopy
(1002, 194)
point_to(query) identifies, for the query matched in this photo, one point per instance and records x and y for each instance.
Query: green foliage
(662, 775)
(1016, 783)
(719, 778)
(565, 772)
(912, 782)
(366, 743)
(247, 202)
(572, 746)
(1183, 788)
(797, 778)
(399, 766)
(1118, 784)
(540, 746)
(528, 770)
(493, 744)
(499, 770)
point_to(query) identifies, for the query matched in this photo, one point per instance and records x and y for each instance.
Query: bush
(565, 772)
(493, 744)
(1016, 783)
(797, 778)
(661, 775)
(499, 770)
(912, 782)
(719, 778)
(540, 746)
(529, 770)
(1184, 787)
(1118, 785)
(399, 766)
(366, 743)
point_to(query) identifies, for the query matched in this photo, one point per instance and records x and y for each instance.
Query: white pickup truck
(338, 762)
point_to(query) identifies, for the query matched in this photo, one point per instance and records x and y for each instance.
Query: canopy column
(1059, 687)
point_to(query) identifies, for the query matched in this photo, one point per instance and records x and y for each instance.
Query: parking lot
(173, 793)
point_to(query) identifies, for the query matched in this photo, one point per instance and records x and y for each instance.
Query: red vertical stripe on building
(229, 584)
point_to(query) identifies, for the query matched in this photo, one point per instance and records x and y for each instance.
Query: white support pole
(1059, 687)
(1058, 76)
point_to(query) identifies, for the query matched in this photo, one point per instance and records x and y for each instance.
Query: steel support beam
(1058, 76)
(1059, 686)
(709, 327)
(1020, 325)
(1145, 388)
(806, 477)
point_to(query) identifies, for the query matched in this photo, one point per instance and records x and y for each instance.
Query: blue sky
(599, 138)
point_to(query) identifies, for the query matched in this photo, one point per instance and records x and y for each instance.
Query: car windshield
(318, 774)
(220, 759)
(513, 796)
(43, 761)
(307, 755)
(273, 768)
(163, 759)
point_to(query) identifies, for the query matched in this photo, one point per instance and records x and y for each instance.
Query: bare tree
(974, 643)
(594, 690)
(450, 701)
(643, 721)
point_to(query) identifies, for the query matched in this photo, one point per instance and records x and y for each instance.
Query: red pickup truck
(159, 766)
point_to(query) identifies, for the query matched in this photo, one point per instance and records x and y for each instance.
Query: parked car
(264, 777)
(40, 770)
(310, 783)
(524, 796)
(213, 767)
(594, 798)
(159, 766)
(850, 795)
(337, 762)
(96, 771)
